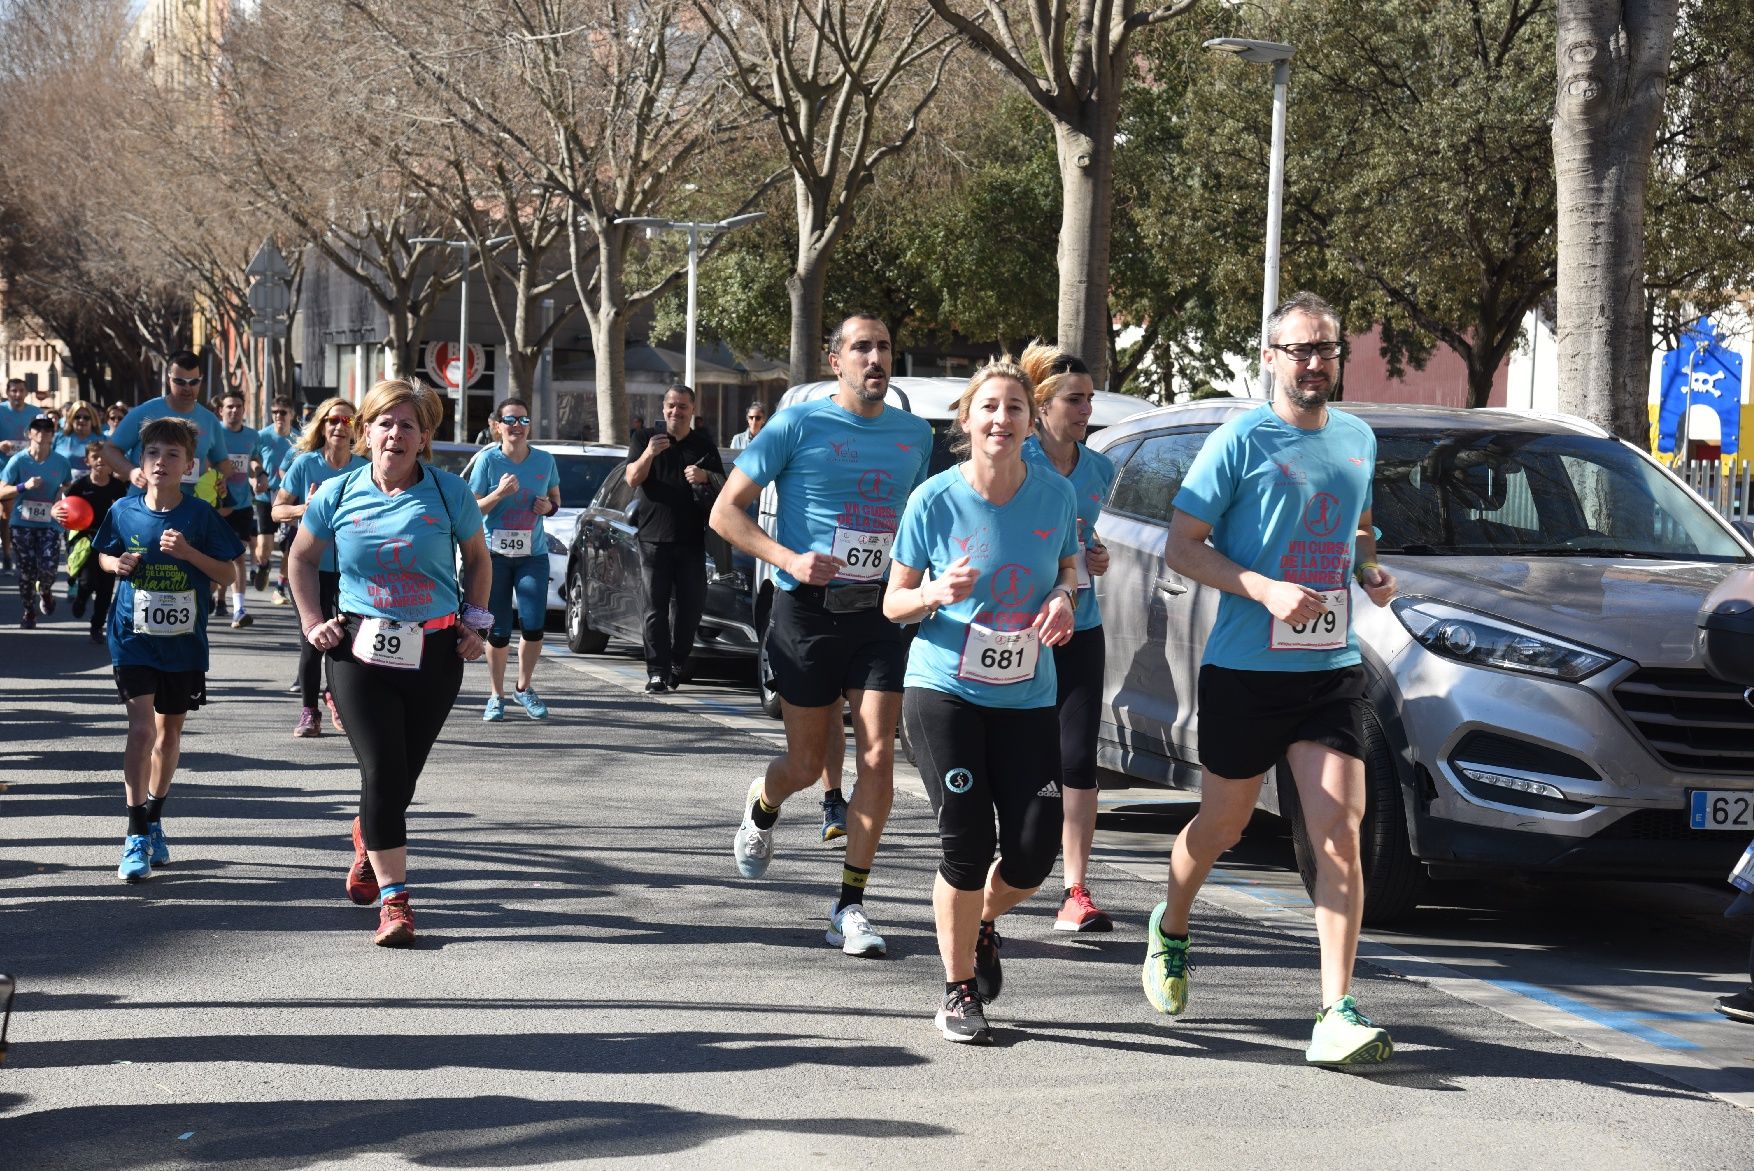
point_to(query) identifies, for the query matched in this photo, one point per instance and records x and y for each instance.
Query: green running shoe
(1345, 1036)
(1165, 974)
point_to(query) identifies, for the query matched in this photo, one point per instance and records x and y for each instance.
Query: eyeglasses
(1301, 352)
(195, 381)
(515, 420)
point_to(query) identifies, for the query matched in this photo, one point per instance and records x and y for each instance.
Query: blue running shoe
(532, 703)
(495, 709)
(136, 859)
(161, 853)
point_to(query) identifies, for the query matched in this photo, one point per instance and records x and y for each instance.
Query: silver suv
(1537, 699)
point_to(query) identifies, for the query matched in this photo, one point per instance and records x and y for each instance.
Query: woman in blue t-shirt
(397, 647)
(999, 539)
(36, 476)
(323, 452)
(516, 485)
(79, 430)
(1063, 394)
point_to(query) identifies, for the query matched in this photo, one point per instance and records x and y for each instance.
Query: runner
(100, 489)
(181, 399)
(277, 440)
(842, 466)
(1283, 493)
(1063, 393)
(32, 482)
(243, 445)
(15, 417)
(80, 430)
(396, 650)
(323, 452)
(165, 546)
(1000, 539)
(113, 419)
(516, 485)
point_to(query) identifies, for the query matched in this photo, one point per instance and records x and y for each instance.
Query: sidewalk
(594, 983)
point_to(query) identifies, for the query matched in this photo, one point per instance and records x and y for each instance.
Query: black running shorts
(242, 521)
(1249, 718)
(174, 693)
(816, 657)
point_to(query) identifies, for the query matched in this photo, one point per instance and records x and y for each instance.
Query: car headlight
(1469, 637)
(554, 546)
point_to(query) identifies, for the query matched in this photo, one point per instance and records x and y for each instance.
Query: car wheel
(770, 699)
(1394, 880)
(580, 638)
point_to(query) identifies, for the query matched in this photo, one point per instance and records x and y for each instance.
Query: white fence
(1730, 489)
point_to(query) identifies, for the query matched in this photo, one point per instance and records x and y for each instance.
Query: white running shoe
(753, 846)
(850, 930)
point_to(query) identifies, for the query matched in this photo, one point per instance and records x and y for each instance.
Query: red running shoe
(395, 923)
(334, 714)
(1079, 913)
(362, 884)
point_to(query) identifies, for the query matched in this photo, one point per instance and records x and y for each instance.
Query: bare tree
(1072, 63)
(1613, 66)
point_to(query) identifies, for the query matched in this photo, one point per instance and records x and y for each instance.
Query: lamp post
(458, 423)
(1279, 57)
(696, 231)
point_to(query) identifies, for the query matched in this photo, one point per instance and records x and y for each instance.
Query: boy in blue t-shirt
(166, 549)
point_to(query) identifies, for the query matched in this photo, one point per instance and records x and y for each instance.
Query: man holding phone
(675, 470)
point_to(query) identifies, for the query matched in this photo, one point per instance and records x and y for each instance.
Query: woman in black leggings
(396, 648)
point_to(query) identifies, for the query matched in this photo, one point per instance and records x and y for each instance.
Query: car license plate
(1721, 809)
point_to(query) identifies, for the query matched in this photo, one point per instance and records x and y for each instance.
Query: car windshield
(1535, 495)
(580, 476)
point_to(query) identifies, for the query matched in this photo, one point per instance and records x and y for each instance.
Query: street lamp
(655, 225)
(457, 421)
(1279, 57)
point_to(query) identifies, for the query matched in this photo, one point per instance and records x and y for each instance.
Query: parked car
(933, 399)
(606, 596)
(1537, 701)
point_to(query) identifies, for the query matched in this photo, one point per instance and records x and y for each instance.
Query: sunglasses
(515, 420)
(196, 381)
(280, 414)
(344, 420)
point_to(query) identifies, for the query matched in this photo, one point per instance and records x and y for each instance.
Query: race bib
(1326, 633)
(193, 474)
(866, 554)
(383, 643)
(999, 656)
(241, 464)
(164, 614)
(34, 512)
(510, 542)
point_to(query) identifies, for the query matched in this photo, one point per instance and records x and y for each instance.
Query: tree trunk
(805, 285)
(1086, 154)
(609, 339)
(1613, 65)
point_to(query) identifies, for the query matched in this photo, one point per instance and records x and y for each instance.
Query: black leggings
(977, 761)
(1078, 667)
(310, 659)
(392, 718)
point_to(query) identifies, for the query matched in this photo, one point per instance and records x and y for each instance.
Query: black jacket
(670, 509)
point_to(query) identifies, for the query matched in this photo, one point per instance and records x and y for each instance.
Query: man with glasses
(181, 399)
(276, 453)
(756, 418)
(1283, 494)
(243, 450)
(15, 417)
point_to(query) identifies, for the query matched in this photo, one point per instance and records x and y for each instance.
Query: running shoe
(241, 619)
(850, 930)
(989, 976)
(260, 578)
(97, 636)
(334, 714)
(531, 703)
(279, 597)
(136, 859)
(1080, 913)
(395, 923)
(962, 1019)
(1739, 1007)
(674, 682)
(495, 709)
(48, 602)
(362, 883)
(1165, 974)
(30, 620)
(834, 822)
(307, 725)
(753, 846)
(656, 685)
(161, 851)
(1345, 1036)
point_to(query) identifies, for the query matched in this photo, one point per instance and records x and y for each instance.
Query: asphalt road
(594, 984)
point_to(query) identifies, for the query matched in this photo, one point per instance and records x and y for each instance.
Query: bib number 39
(164, 615)
(1326, 633)
(383, 643)
(1000, 657)
(866, 554)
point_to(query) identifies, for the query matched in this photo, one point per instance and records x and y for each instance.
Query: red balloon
(74, 513)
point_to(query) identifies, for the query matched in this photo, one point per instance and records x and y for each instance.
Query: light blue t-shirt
(55, 472)
(132, 527)
(536, 475)
(72, 448)
(398, 554)
(308, 471)
(210, 446)
(1285, 503)
(834, 469)
(1016, 548)
(1091, 479)
(275, 449)
(240, 446)
(15, 424)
